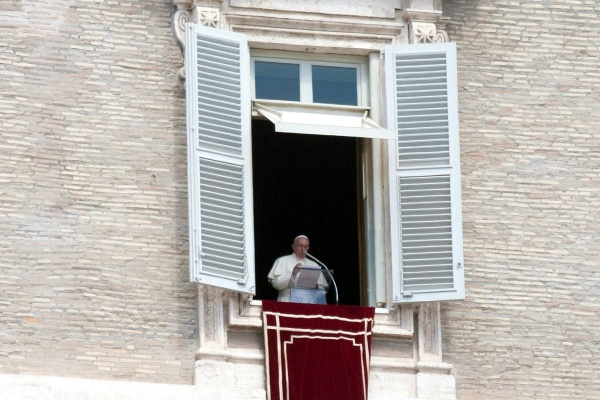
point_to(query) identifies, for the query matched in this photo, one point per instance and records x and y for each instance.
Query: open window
(424, 189)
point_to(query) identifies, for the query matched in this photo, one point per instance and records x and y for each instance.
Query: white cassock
(282, 272)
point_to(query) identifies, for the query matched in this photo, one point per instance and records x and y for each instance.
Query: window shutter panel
(219, 159)
(425, 204)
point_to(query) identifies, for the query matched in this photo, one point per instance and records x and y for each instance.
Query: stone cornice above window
(294, 30)
(313, 29)
(316, 33)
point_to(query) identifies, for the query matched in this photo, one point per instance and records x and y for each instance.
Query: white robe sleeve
(280, 274)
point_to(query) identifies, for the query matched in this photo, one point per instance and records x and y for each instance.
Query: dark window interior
(306, 184)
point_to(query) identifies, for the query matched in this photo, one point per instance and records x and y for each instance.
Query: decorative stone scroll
(180, 18)
(187, 11)
(209, 16)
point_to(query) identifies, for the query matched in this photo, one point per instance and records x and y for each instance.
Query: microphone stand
(328, 273)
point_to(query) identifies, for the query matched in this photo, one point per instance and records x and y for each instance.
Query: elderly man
(287, 267)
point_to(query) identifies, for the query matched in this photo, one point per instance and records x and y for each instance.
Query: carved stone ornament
(188, 11)
(426, 26)
(441, 35)
(422, 32)
(210, 17)
(426, 33)
(180, 18)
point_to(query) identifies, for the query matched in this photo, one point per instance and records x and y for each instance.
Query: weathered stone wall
(529, 82)
(93, 203)
(93, 199)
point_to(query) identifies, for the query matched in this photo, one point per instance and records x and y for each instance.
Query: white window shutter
(219, 159)
(425, 204)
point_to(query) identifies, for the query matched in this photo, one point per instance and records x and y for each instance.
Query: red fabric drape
(317, 351)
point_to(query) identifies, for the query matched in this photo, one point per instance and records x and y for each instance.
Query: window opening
(306, 184)
(220, 159)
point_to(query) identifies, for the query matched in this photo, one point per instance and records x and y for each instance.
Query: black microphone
(329, 272)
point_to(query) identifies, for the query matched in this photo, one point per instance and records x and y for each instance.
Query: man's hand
(296, 269)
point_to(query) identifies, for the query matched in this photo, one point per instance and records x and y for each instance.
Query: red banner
(317, 351)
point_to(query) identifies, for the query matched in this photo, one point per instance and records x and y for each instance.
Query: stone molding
(308, 32)
(395, 323)
(311, 32)
(187, 11)
(298, 32)
(211, 317)
(426, 26)
(221, 310)
(295, 31)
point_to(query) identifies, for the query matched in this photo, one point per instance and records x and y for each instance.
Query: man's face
(300, 247)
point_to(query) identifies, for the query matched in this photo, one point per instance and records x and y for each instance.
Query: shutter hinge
(408, 293)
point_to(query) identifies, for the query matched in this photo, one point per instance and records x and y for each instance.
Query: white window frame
(246, 281)
(321, 119)
(306, 63)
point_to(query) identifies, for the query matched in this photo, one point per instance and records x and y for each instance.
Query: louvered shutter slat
(222, 220)
(421, 82)
(421, 199)
(219, 90)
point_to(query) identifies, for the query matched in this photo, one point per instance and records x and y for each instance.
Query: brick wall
(93, 199)
(93, 209)
(529, 83)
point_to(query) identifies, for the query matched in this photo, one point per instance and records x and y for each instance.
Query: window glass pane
(334, 85)
(277, 81)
